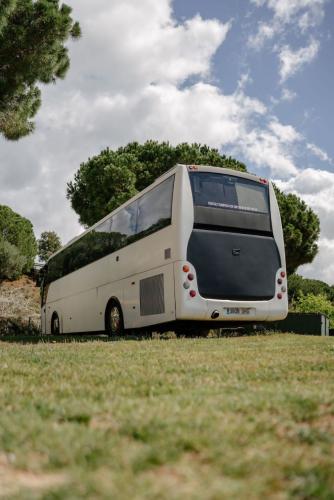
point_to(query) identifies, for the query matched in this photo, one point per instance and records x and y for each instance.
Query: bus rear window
(233, 193)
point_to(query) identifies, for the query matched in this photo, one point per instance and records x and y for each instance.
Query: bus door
(43, 293)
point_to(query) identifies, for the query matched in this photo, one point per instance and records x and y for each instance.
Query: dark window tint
(229, 192)
(123, 226)
(144, 216)
(155, 208)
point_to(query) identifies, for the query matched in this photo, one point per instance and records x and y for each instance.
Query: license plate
(237, 311)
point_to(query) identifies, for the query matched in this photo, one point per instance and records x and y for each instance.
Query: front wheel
(114, 320)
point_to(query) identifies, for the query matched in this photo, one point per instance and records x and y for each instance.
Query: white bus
(202, 247)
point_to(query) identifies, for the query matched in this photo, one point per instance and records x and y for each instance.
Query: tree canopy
(48, 244)
(109, 179)
(32, 49)
(297, 285)
(18, 239)
(301, 228)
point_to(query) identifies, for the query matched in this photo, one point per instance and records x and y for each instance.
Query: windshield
(216, 190)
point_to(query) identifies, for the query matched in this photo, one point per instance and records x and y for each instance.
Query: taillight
(186, 285)
(279, 281)
(283, 274)
(190, 276)
(279, 295)
(186, 268)
(192, 293)
(263, 181)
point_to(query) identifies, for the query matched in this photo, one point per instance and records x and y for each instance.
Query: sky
(253, 78)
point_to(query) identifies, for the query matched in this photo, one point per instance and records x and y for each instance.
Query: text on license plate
(240, 311)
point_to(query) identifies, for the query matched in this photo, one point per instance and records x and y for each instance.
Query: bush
(315, 304)
(16, 326)
(18, 231)
(12, 262)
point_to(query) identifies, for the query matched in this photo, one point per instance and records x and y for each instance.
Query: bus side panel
(79, 312)
(149, 298)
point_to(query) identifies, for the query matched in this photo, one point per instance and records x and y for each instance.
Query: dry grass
(168, 419)
(19, 300)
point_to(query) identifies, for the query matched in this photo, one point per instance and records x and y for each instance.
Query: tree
(32, 50)
(12, 262)
(109, 179)
(301, 228)
(18, 231)
(106, 181)
(298, 285)
(48, 244)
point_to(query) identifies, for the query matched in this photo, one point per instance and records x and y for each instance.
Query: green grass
(168, 419)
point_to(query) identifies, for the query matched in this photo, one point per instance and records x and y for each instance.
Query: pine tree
(32, 50)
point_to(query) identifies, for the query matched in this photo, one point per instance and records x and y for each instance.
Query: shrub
(18, 231)
(316, 304)
(12, 262)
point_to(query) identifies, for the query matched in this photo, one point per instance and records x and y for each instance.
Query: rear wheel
(114, 320)
(55, 326)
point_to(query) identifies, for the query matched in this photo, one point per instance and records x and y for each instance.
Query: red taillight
(279, 281)
(283, 274)
(263, 181)
(190, 276)
(279, 295)
(192, 293)
(186, 268)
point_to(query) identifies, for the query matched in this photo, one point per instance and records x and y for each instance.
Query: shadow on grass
(65, 339)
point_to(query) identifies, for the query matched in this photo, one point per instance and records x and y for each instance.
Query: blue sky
(311, 111)
(253, 78)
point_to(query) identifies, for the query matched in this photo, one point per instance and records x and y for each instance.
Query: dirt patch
(20, 300)
(12, 480)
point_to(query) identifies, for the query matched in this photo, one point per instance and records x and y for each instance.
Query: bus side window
(44, 285)
(155, 208)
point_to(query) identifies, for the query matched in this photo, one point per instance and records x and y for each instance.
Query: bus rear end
(234, 267)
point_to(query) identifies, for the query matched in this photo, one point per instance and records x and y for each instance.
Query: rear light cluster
(280, 281)
(190, 277)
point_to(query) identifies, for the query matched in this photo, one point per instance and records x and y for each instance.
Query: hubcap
(115, 319)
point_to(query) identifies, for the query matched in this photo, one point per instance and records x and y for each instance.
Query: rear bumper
(199, 308)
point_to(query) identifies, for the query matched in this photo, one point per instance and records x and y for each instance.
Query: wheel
(55, 326)
(114, 320)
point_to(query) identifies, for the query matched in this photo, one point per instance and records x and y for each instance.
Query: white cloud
(316, 188)
(288, 95)
(286, 10)
(266, 31)
(306, 13)
(136, 45)
(322, 268)
(285, 133)
(322, 155)
(292, 61)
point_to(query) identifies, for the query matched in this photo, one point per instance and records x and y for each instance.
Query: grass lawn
(249, 417)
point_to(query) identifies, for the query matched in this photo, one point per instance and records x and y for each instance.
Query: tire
(114, 320)
(55, 325)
